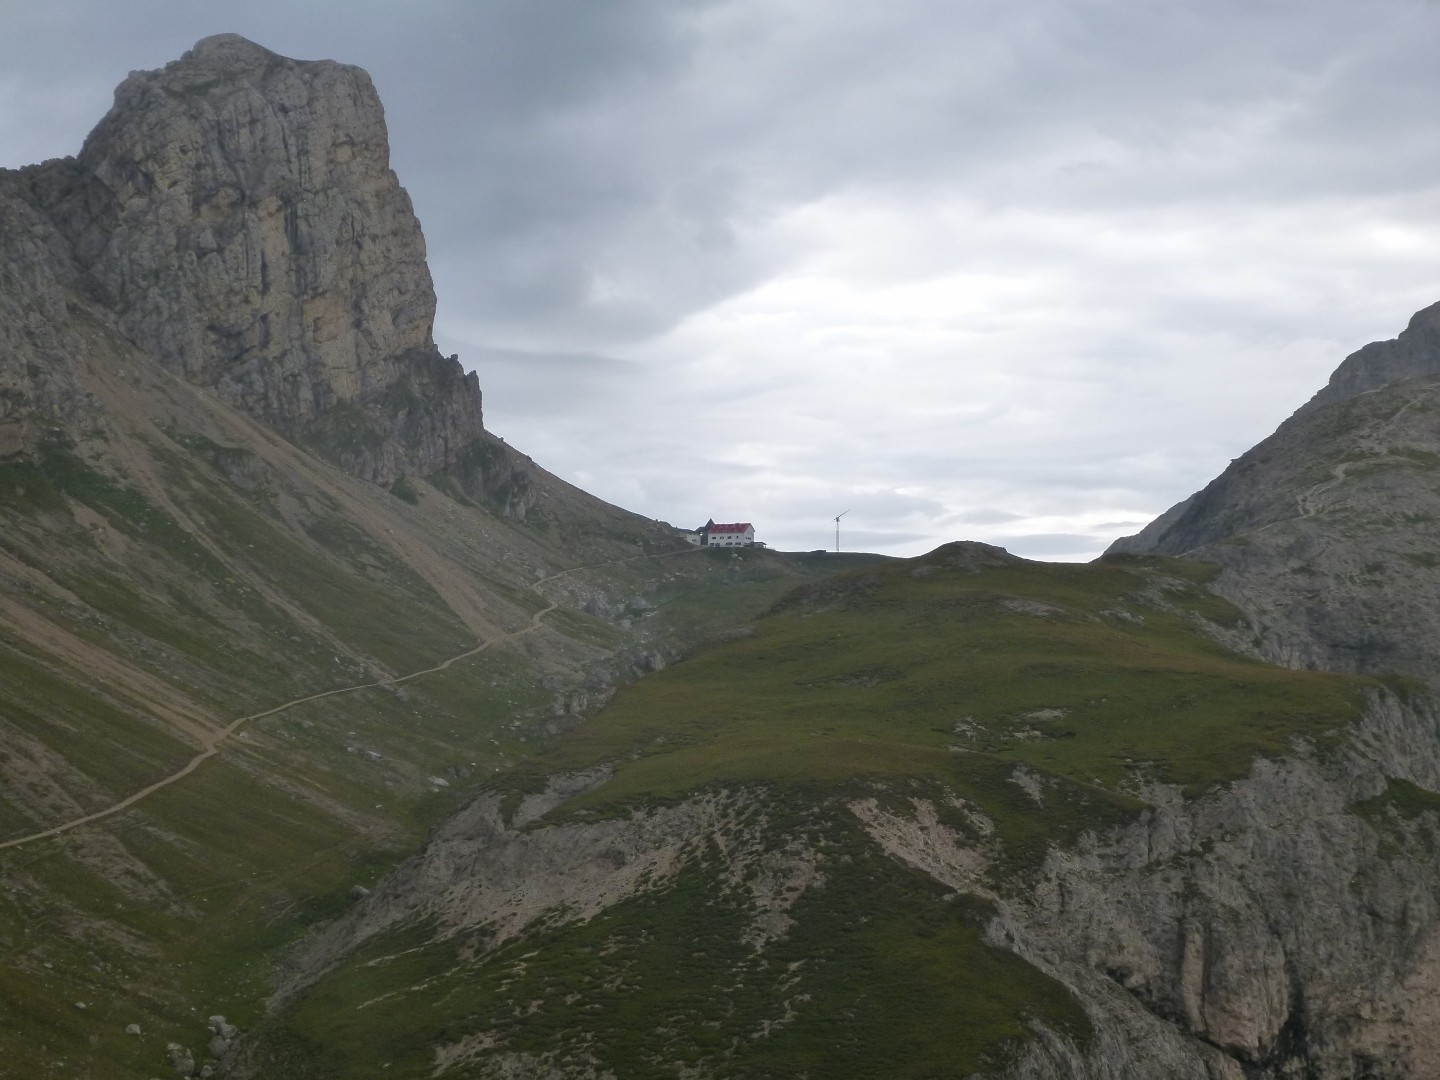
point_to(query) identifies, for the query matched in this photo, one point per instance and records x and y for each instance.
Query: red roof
(738, 527)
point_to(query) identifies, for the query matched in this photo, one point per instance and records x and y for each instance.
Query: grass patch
(388, 614)
(1018, 662)
(94, 740)
(405, 491)
(1426, 459)
(1401, 815)
(883, 973)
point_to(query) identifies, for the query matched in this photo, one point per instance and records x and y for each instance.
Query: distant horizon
(1022, 276)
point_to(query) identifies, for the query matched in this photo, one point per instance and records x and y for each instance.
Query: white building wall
(744, 539)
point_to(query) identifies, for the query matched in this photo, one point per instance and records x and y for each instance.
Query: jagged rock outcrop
(1284, 926)
(1325, 533)
(235, 216)
(1415, 352)
(37, 333)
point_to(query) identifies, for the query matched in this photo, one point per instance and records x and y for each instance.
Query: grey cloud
(599, 165)
(860, 504)
(1124, 210)
(874, 539)
(542, 384)
(981, 516)
(1051, 545)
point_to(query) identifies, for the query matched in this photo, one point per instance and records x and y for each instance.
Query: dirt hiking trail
(215, 740)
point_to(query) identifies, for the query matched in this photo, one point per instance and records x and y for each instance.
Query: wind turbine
(837, 529)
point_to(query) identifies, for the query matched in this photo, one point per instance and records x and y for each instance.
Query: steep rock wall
(236, 217)
(38, 389)
(1287, 925)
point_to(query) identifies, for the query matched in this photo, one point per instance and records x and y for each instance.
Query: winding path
(211, 745)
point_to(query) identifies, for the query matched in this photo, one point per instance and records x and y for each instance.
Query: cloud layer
(1021, 273)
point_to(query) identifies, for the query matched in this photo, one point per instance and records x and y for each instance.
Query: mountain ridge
(527, 787)
(1413, 354)
(236, 217)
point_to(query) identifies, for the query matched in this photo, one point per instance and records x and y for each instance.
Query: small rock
(221, 1028)
(132, 1029)
(219, 1046)
(358, 892)
(181, 1059)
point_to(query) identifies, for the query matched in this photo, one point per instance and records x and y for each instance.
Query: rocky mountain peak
(1325, 530)
(1415, 352)
(236, 213)
(249, 226)
(228, 53)
(1217, 511)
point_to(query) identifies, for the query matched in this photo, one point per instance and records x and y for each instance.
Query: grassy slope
(252, 596)
(931, 678)
(1096, 674)
(884, 974)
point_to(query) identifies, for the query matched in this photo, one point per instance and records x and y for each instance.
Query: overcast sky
(1023, 272)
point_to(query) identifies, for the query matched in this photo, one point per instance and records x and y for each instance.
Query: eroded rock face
(37, 337)
(1285, 925)
(243, 216)
(480, 871)
(235, 216)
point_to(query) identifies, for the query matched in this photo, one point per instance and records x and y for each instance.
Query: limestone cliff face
(239, 210)
(1292, 921)
(37, 333)
(1289, 923)
(236, 216)
(1283, 926)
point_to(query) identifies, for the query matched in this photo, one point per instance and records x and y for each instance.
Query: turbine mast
(837, 529)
